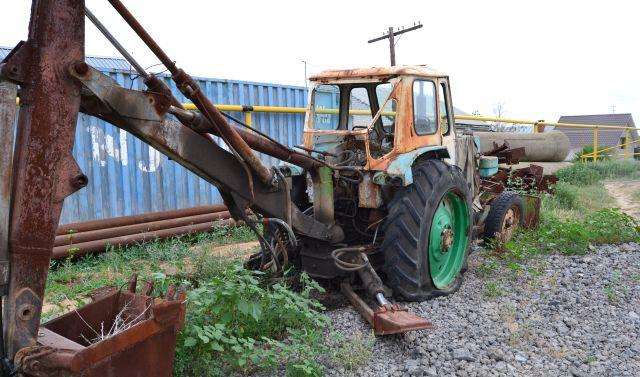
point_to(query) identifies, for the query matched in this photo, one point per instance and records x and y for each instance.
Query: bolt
(81, 68)
(80, 181)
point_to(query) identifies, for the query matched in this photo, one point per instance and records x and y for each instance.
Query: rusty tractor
(386, 195)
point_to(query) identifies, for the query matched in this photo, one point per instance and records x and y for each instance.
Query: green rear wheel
(428, 232)
(448, 239)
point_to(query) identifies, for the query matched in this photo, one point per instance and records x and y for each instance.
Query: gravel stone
(463, 354)
(577, 316)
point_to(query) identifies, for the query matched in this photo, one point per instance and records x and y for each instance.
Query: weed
(488, 268)
(611, 294)
(353, 352)
(493, 290)
(75, 278)
(535, 271)
(614, 290)
(590, 359)
(235, 323)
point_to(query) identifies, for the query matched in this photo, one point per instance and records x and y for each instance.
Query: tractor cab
(373, 116)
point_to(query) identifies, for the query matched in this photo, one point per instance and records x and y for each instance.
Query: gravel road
(558, 316)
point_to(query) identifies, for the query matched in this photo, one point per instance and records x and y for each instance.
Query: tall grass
(588, 173)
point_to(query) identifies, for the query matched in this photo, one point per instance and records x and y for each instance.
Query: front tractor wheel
(428, 232)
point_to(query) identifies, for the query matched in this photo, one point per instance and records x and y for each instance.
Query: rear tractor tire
(505, 216)
(428, 232)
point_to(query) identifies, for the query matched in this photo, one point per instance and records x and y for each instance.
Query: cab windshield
(351, 106)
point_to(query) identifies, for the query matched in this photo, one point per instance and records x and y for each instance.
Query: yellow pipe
(613, 147)
(302, 110)
(595, 144)
(536, 122)
(247, 118)
(283, 109)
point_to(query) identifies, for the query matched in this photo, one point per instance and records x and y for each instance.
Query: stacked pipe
(94, 236)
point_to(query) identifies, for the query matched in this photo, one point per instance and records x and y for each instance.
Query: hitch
(388, 318)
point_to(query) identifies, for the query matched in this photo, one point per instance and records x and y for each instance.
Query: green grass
(584, 174)
(493, 289)
(73, 280)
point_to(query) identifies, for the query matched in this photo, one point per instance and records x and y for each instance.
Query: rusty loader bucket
(120, 333)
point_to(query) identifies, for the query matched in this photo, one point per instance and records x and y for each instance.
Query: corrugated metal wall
(127, 177)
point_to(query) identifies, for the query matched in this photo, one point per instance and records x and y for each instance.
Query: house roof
(579, 137)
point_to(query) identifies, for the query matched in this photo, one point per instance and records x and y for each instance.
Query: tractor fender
(400, 167)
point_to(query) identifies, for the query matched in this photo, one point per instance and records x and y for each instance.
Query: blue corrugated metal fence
(127, 177)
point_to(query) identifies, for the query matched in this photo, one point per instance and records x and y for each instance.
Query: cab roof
(414, 70)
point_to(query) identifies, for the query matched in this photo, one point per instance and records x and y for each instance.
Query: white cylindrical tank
(552, 146)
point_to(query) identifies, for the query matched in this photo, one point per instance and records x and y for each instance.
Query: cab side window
(424, 107)
(445, 125)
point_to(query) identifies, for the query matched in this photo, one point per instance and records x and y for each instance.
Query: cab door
(446, 118)
(425, 125)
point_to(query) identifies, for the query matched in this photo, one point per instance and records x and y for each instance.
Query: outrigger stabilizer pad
(388, 318)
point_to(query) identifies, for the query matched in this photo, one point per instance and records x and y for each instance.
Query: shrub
(588, 149)
(566, 196)
(236, 323)
(588, 173)
(574, 236)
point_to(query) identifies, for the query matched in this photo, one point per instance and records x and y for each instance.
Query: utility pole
(305, 73)
(391, 34)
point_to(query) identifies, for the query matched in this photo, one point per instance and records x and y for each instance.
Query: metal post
(7, 120)
(391, 37)
(44, 171)
(247, 118)
(628, 148)
(392, 47)
(595, 144)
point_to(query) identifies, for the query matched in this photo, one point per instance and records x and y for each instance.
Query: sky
(537, 59)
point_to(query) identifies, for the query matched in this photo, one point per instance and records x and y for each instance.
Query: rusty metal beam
(70, 240)
(94, 246)
(197, 122)
(7, 118)
(113, 222)
(44, 169)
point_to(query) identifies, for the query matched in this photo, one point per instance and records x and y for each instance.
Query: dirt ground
(626, 195)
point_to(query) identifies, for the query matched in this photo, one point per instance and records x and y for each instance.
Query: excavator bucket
(386, 319)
